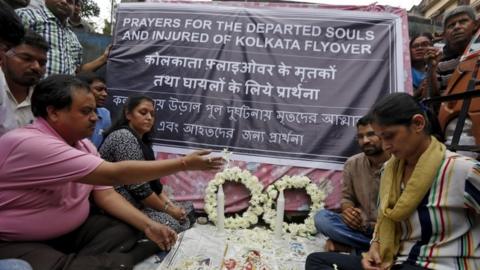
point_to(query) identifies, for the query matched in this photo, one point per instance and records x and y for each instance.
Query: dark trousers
(100, 243)
(325, 261)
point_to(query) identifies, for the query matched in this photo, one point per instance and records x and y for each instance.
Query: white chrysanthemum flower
(273, 193)
(235, 174)
(288, 182)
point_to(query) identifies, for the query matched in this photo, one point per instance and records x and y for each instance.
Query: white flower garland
(317, 197)
(255, 208)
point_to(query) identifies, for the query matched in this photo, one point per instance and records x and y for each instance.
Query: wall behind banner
(94, 45)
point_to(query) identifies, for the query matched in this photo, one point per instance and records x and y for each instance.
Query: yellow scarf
(396, 206)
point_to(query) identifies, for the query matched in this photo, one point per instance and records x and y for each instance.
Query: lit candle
(220, 210)
(279, 218)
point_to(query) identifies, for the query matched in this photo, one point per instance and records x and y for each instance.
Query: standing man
(459, 27)
(51, 22)
(77, 23)
(23, 66)
(353, 228)
(99, 90)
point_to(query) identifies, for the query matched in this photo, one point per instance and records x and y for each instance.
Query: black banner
(286, 85)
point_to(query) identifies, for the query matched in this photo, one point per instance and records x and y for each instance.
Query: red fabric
(191, 185)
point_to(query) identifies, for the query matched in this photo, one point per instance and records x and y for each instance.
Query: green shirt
(65, 54)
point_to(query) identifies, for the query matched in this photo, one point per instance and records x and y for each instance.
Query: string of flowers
(317, 197)
(255, 208)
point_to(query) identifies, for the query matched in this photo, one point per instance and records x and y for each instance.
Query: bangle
(184, 162)
(374, 240)
(166, 206)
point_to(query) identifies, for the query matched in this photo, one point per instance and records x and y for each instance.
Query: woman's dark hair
(399, 108)
(122, 121)
(424, 34)
(56, 91)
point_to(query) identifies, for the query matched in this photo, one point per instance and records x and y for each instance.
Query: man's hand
(371, 260)
(352, 217)
(432, 56)
(199, 160)
(178, 213)
(162, 235)
(421, 91)
(106, 53)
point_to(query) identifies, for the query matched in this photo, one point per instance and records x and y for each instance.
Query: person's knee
(14, 264)
(313, 262)
(36, 255)
(117, 237)
(124, 236)
(309, 263)
(323, 221)
(121, 229)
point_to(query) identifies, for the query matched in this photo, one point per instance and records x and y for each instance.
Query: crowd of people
(432, 66)
(79, 191)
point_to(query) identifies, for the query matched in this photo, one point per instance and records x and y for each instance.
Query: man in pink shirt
(48, 171)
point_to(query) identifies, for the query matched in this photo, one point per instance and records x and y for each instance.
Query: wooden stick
(224, 254)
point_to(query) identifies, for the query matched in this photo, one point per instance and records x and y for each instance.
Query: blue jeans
(14, 264)
(331, 224)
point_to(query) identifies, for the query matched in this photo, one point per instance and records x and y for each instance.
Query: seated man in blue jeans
(353, 228)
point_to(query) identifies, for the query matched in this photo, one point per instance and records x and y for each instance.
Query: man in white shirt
(23, 66)
(7, 118)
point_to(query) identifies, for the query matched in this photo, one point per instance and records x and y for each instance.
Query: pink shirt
(39, 196)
